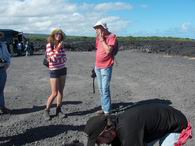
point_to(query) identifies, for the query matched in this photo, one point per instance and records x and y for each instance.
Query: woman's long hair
(51, 39)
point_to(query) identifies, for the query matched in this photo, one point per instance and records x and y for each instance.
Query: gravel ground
(136, 77)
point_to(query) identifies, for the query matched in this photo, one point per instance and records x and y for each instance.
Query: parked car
(17, 43)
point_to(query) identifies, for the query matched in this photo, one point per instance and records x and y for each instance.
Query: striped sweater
(57, 57)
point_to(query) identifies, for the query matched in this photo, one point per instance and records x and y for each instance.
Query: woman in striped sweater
(56, 56)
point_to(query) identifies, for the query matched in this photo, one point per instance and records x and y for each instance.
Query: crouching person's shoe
(46, 115)
(59, 113)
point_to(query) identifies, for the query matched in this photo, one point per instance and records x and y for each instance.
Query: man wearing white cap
(106, 43)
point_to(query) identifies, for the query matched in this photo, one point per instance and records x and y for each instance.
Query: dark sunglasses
(58, 33)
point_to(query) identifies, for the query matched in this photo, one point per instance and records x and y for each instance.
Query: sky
(169, 18)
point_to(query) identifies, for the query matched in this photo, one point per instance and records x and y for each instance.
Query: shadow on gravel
(121, 106)
(35, 54)
(74, 144)
(39, 108)
(37, 134)
(114, 105)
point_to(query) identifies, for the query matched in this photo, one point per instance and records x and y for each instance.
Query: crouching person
(141, 125)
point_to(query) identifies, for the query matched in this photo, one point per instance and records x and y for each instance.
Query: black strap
(93, 75)
(46, 54)
(122, 109)
(1, 48)
(93, 85)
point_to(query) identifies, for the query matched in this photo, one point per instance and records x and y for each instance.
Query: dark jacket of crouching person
(141, 125)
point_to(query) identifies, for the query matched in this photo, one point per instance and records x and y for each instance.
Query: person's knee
(60, 93)
(54, 94)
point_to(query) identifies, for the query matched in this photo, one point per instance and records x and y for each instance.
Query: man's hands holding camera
(3, 63)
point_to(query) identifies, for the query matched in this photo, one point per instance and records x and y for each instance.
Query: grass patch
(43, 37)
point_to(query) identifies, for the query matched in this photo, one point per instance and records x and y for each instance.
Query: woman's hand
(101, 36)
(59, 46)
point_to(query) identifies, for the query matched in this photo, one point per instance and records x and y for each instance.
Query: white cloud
(185, 26)
(115, 24)
(113, 6)
(37, 8)
(41, 16)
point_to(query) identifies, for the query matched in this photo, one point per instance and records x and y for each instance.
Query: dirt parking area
(136, 77)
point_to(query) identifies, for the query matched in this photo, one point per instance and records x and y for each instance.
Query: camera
(2, 60)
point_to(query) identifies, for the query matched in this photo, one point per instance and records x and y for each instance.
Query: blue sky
(174, 18)
(163, 17)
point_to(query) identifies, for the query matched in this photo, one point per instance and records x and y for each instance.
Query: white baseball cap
(100, 23)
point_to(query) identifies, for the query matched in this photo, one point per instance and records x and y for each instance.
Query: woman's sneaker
(59, 113)
(46, 115)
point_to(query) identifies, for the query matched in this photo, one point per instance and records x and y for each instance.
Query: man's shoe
(100, 112)
(46, 115)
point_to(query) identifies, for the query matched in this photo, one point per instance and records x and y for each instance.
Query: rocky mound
(183, 48)
(170, 47)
